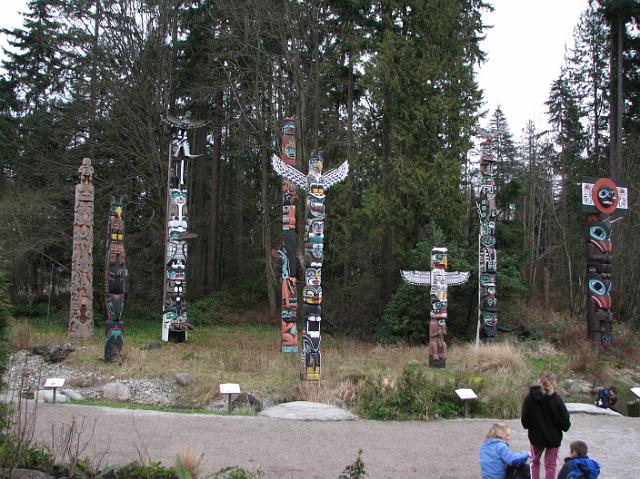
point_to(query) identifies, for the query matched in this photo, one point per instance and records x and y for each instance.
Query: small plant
(235, 472)
(188, 463)
(355, 470)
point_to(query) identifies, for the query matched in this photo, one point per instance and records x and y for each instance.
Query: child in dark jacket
(578, 465)
(496, 455)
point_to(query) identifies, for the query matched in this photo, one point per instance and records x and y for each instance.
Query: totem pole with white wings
(315, 184)
(439, 280)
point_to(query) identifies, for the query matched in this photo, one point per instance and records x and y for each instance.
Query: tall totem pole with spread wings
(115, 275)
(315, 184)
(175, 322)
(439, 280)
(487, 253)
(287, 252)
(604, 202)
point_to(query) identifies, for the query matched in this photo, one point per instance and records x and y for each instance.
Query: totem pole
(81, 308)
(287, 252)
(487, 254)
(604, 202)
(114, 279)
(175, 322)
(439, 280)
(315, 184)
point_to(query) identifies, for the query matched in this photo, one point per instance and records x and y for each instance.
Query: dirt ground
(310, 449)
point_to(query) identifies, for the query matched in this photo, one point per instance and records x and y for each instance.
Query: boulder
(72, 394)
(183, 379)
(46, 395)
(54, 353)
(115, 392)
(29, 474)
(246, 400)
(577, 386)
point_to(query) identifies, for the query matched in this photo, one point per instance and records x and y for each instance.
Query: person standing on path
(545, 416)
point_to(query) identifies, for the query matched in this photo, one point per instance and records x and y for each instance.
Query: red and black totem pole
(287, 252)
(604, 202)
(114, 279)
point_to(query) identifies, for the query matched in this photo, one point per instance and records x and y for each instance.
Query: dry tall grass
(488, 357)
(191, 462)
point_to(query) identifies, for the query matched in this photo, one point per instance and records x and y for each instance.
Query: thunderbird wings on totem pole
(315, 183)
(604, 202)
(175, 322)
(439, 280)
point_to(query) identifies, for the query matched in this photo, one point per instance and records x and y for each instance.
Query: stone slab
(583, 408)
(308, 411)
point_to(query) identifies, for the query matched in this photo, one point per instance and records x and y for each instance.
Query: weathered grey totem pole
(439, 280)
(487, 253)
(81, 308)
(287, 252)
(114, 279)
(175, 322)
(604, 202)
(315, 184)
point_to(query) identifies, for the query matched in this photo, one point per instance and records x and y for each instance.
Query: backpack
(521, 471)
(584, 468)
(603, 398)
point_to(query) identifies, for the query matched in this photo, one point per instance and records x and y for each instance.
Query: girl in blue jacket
(496, 455)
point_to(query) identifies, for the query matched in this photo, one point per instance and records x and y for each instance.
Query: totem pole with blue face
(287, 252)
(487, 253)
(605, 203)
(439, 280)
(115, 275)
(315, 184)
(175, 322)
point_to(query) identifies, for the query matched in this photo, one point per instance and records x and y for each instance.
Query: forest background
(387, 85)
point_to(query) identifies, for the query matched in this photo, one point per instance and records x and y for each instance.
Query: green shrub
(29, 310)
(208, 310)
(136, 470)
(235, 472)
(420, 393)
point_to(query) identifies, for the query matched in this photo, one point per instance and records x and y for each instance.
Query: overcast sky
(525, 49)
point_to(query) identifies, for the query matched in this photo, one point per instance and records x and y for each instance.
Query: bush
(420, 393)
(208, 310)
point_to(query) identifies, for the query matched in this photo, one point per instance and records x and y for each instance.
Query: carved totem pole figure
(604, 202)
(287, 252)
(175, 322)
(487, 253)
(315, 184)
(439, 280)
(81, 308)
(114, 278)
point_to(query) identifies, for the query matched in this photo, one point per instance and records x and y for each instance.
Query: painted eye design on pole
(598, 232)
(598, 287)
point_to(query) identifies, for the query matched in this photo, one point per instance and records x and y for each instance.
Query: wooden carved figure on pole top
(287, 252)
(315, 184)
(81, 307)
(439, 280)
(175, 322)
(487, 253)
(114, 279)
(605, 203)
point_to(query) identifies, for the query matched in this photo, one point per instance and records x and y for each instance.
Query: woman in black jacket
(546, 417)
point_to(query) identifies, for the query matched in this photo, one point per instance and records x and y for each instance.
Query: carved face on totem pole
(439, 258)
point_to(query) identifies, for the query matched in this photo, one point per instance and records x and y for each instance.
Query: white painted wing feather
(456, 277)
(288, 172)
(335, 176)
(419, 278)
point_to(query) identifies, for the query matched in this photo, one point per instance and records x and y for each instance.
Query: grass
(151, 407)
(249, 354)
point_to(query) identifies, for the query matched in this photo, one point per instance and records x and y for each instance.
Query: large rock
(72, 394)
(245, 400)
(183, 379)
(115, 392)
(581, 408)
(54, 353)
(577, 386)
(46, 395)
(29, 474)
(308, 411)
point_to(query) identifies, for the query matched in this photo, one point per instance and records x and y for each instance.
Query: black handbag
(521, 471)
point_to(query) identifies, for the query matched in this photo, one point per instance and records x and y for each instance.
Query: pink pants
(550, 460)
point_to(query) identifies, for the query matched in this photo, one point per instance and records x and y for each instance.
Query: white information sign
(230, 388)
(466, 394)
(54, 382)
(636, 391)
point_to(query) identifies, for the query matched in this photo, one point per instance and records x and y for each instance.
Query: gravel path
(308, 449)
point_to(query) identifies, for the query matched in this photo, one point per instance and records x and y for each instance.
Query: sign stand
(55, 384)
(229, 389)
(465, 396)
